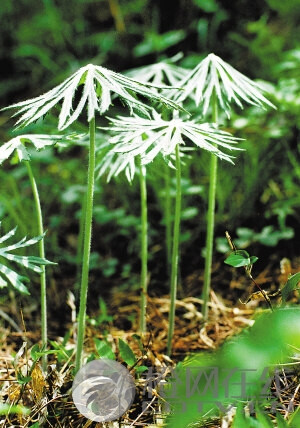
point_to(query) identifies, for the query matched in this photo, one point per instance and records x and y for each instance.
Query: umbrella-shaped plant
(162, 73)
(17, 145)
(213, 84)
(112, 164)
(148, 138)
(91, 87)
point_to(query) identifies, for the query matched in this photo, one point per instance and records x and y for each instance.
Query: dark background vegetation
(44, 41)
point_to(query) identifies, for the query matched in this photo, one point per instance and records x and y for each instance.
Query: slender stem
(39, 217)
(210, 220)
(80, 245)
(175, 253)
(86, 248)
(117, 15)
(144, 249)
(168, 220)
(265, 296)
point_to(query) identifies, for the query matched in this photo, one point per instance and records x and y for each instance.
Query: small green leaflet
(290, 286)
(240, 258)
(23, 380)
(281, 422)
(126, 353)
(8, 409)
(104, 350)
(295, 419)
(239, 420)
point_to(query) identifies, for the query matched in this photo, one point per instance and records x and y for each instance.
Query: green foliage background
(44, 41)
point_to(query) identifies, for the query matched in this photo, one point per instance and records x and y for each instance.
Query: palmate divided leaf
(213, 75)
(98, 85)
(113, 163)
(161, 73)
(147, 138)
(18, 144)
(29, 262)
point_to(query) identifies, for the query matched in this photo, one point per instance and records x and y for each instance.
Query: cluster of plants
(153, 131)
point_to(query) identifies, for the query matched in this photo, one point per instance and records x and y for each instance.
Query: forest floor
(48, 395)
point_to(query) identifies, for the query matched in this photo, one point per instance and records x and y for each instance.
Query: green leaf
(290, 286)
(22, 380)
(160, 73)
(270, 237)
(8, 409)
(263, 419)
(35, 350)
(207, 6)
(189, 213)
(16, 280)
(215, 76)
(104, 350)
(294, 421)
(29, 262)
(239, 420)
(240, 258)
(281, 422)
(17, 144)
(138, 338)
(154, 42)
(141, 369)
(163, 136)
(95, 78)
(126, 353)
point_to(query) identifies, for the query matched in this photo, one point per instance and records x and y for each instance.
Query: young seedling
(241, 258)
(166, 138)
(94, 86)
(214, 84)
(18, 145)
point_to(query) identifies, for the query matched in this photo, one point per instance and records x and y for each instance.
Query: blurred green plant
(269, 236)
(103, 316)
(156, 43)
(209, 384)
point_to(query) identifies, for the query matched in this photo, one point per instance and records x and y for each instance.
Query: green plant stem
(144, 249)
(86, 248)
(175, 253)
(80, 245)
(210, 220)
(117, 15)
(39, 217)
(168, 220)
